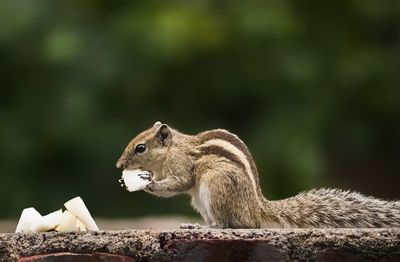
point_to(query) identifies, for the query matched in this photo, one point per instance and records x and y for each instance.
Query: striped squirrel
(217, 170)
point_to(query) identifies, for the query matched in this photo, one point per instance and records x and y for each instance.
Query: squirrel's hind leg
(222, 193)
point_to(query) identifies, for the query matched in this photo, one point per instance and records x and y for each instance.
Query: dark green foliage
(312, 87)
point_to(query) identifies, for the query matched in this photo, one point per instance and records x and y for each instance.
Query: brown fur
(217, 170)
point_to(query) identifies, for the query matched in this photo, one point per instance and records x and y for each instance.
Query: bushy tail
(328, 208)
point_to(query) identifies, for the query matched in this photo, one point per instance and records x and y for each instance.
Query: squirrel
(218, 171)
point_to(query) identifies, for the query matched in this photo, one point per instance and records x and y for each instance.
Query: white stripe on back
(242, 157)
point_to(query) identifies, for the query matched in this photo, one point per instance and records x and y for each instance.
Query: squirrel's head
(148, 149)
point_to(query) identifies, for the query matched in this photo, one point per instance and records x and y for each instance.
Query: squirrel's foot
(198, 226)
(191, 226)
(217, 226)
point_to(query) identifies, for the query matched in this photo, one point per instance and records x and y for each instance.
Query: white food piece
(68, 222)
(133, 180)
(29, 218)
(78, 208)
(48, 222)
(80, 225)
(75, 218)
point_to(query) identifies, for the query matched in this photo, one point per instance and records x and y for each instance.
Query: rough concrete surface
(211, 245)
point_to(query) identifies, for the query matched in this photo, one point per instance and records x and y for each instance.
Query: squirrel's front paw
(146, 176)
(151, 187)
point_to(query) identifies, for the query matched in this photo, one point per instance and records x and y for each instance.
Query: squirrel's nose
(120, 163)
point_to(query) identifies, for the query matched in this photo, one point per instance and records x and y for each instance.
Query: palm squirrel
(217, 170)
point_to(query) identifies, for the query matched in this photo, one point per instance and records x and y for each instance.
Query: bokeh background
(311, 86)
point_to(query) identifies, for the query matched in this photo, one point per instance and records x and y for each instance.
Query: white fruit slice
(79, 209)
(135, 180)
(48, 222)
(29, 217)
(80, 225)
(68, 222)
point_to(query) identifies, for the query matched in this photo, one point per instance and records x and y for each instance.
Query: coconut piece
(136, 179)
(80, 225)
(29, 217)
(48, 222)
(78, 208)
(68, 222)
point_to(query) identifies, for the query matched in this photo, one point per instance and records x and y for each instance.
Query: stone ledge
(212, 244)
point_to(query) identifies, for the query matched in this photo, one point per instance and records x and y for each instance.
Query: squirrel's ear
(157, 124)
(164, 133)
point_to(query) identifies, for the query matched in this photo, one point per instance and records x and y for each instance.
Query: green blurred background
(311, 86)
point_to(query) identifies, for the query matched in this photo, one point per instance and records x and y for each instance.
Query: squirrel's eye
(140, 148)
